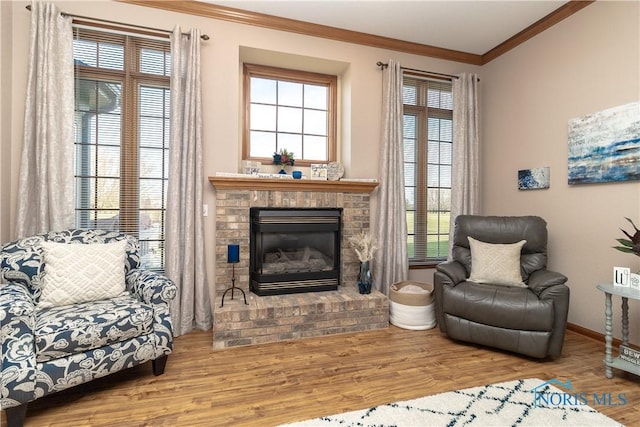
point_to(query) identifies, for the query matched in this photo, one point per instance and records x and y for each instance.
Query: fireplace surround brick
(293, 316)
(286, 317)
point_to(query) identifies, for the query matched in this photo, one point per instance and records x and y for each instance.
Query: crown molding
(240, 16)
(536, 28)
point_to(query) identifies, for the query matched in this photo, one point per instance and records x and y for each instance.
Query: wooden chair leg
(16, 415)
(159, 364)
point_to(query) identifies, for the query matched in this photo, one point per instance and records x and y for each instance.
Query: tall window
(428, 144)
(122, 136)
(292, 110)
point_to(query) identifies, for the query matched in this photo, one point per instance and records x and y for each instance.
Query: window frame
(294, 76)
(131, 80)
(422, 112)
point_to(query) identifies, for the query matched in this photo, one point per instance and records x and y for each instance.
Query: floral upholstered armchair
(75, 306)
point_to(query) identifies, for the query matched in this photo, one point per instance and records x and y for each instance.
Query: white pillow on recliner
(496, 263)
(77, 272)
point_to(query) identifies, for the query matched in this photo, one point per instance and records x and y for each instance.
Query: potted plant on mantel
(283, 159)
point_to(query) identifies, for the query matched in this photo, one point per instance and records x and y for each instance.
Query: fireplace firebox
(294, 250)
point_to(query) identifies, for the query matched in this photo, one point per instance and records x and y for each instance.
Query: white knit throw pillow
(76, 273)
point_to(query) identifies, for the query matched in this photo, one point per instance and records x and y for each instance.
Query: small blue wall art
(534, 179)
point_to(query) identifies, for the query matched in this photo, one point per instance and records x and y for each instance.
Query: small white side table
(625, 293)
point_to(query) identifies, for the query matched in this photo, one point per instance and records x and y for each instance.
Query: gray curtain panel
(465, 174)
(184, 233)
(46, 179)
(391, 263)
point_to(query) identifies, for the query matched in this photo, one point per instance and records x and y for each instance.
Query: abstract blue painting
(533, 179)
(605, 146)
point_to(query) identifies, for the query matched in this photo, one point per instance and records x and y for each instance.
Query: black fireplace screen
(294, 250)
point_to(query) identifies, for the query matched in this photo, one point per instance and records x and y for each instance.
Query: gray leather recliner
(528, 320)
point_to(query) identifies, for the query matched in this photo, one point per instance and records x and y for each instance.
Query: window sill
(426, 266)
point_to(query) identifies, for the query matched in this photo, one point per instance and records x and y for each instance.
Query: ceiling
(473, 27)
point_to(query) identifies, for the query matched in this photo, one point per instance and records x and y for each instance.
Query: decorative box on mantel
(286, 317)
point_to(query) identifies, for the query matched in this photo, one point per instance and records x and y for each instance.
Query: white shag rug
(505, 404)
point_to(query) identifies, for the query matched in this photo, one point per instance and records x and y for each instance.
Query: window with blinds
(291, 110)
(122, 136)
(428, 145)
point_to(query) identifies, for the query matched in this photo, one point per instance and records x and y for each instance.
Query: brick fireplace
(284, 317)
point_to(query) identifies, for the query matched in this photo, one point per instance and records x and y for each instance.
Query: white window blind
(428, 147)
(122, 136)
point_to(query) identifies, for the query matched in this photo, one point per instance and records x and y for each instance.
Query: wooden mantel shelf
(266, 184)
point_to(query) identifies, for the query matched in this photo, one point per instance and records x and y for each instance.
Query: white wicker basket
(412, 310)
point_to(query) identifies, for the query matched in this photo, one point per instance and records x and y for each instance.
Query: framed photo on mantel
(335, 171)
(319, 171)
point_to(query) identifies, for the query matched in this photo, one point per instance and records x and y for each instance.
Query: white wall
(585, 64)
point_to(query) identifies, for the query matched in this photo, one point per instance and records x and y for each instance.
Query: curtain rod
(382, 66)
(203, 36)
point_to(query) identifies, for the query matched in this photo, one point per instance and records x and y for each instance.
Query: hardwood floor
(276, 383)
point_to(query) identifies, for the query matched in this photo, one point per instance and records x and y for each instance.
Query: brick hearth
(286, 317)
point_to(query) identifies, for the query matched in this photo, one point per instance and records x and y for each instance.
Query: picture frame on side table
(621, 276)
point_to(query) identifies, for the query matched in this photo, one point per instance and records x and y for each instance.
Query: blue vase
(282, 172)
(364, 278)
